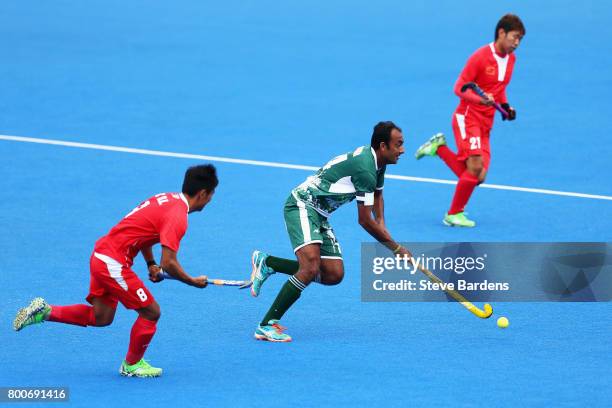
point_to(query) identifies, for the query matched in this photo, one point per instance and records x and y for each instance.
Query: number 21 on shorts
(474, 142)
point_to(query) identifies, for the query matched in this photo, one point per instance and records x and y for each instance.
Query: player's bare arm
(171, 265)
(152, 266)
(379, 208)
(378, 231)
(147, 254)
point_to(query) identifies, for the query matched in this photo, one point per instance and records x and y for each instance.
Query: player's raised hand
(155, 274)
(200, 281)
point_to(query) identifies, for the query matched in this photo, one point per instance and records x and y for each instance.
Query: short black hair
(382, 133)
(510, 22)
(202, 177)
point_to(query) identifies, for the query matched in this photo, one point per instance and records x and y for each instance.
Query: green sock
(289, 293)
(282, 265)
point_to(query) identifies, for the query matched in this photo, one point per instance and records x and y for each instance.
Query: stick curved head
(488, 311)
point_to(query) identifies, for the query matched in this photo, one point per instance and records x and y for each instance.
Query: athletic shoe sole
(264, 338)
(35, 306)
(450, 224)
(126, 374)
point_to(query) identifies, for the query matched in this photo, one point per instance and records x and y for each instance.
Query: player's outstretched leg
(36, 312)
(272, 331)
(430, 147)
(139, 369)
(261, 271)
(39, 311)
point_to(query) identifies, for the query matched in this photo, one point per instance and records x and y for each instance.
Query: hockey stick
(219, 282)
(483, 314)
(480, 92)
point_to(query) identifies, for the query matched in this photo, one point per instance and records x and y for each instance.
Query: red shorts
(472, 136)
(113, 282)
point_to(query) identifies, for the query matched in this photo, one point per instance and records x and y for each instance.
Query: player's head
(388, 142)
(199, 185)
(509, 32)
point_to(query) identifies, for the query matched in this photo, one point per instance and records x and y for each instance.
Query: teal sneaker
(430, 147)
(36, 312)
(458, 220)
(260, 273)
(140, 369)
(272, 332)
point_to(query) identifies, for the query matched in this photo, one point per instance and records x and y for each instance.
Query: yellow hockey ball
(503, 322)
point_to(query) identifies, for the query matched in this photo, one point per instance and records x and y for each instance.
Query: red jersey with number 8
(160, 219)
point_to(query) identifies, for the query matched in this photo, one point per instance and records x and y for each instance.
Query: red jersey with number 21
(160, 219)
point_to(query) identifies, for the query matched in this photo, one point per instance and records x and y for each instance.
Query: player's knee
(475, 165)
(151, 312)
(104, 319)
(482, 175)
(103, 323)
(310, 272)
(335, 277)
(311, 267)
(332, 272)
(155, 315)
(476, 169)
(103, 315)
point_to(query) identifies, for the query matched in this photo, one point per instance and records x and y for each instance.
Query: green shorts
(306, 226)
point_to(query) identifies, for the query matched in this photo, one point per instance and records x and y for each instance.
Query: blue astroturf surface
(295, 82)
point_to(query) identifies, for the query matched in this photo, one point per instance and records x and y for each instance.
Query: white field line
(281, 165)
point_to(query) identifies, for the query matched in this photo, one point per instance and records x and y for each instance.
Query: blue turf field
(295, 83)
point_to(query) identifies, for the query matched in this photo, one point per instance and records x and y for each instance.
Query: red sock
(465, 187)
(142, 333)
(451, 160)
(81, 315)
